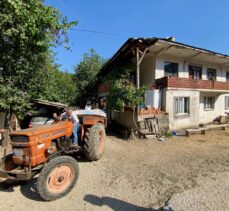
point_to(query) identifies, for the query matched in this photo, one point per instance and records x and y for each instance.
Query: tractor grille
(19, 139)
(22, 152)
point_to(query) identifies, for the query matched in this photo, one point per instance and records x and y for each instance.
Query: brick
(176, 82)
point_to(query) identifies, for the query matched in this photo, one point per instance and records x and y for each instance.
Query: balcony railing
(175, 82)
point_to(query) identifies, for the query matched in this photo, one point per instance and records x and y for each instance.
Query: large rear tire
(57, 178)
(94, 142)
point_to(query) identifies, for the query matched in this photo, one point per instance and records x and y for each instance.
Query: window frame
(195, 69)
(208, 102)
(169, 73)
(185, 109)
(226, 102)
(227, 76)
(215, 74)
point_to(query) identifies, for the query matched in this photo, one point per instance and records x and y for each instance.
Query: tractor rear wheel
(57, 178)
(94, 142)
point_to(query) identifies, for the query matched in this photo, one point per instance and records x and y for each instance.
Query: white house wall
(187, 120)
(208, 115)
(159, 68)
(152, 68)
(183, 71)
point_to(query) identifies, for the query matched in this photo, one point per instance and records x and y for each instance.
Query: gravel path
(141, 175)
(213, 195)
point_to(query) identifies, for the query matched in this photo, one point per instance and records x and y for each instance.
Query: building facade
(190, 84)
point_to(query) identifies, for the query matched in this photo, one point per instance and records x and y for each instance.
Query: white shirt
(73, 117)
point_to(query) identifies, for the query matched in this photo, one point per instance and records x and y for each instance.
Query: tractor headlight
(50, 150)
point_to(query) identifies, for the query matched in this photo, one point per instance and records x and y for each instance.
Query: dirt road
(137, 175)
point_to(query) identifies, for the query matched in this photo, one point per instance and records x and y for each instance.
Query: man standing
(72, 116)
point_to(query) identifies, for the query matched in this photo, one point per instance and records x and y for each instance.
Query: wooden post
(138, 69)
(203, 132)
(139, 56)
(223, 128)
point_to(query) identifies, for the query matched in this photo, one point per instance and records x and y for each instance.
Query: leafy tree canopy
(27, 29)
(60, 88)
(122, 93)
(86, 75)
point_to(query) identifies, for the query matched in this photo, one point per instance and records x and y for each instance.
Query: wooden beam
(224, 64)
(138, 69)
(139, 56)
(163, 50)
(188, 59)
(142, 54)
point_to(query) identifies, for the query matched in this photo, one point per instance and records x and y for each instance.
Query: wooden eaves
(128, 51)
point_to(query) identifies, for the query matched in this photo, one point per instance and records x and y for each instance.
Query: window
(211, 74)
(227, 103)
(171, 69)
(227, 76)
(182, 105)
(209, 103)
(195, 72)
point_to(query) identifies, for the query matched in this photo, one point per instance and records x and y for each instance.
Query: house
(190, 84)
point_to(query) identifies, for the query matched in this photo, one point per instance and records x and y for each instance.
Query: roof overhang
(159, 46)
(48, 103)
(188, 53)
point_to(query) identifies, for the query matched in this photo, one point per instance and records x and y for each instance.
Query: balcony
(188, 83)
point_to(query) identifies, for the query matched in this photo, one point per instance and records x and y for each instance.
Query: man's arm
(75, 117)
(63, 116)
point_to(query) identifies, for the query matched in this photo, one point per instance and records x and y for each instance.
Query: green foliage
(123, 92)
(120, 72)
(27, 29)
(61, 87)
(86, 75)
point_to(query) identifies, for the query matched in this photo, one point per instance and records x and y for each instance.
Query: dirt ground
(138, 175)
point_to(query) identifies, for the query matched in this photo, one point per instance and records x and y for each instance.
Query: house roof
(48, 103)
(127, 51)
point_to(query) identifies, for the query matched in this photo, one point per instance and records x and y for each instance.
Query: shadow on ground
(8, 185)
(28, 188)
(116, 204)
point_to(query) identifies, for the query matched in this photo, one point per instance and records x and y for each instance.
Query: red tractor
(47, 151)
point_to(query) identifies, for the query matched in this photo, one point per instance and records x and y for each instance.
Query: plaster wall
(208, 115)
(183, 68)
(177, 121)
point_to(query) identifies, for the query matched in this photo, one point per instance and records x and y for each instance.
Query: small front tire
(57, 178)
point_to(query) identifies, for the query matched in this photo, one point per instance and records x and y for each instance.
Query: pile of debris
(148, 127)
(222, 119)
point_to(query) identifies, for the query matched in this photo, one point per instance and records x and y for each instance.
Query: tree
(86, 75)
(123, 92)
(27, 30)
(61, 87)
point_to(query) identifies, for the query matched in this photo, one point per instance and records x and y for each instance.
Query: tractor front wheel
(57, 178)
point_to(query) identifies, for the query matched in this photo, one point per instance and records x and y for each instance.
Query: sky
(106, 24)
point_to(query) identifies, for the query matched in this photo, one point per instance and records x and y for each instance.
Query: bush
(122, 93)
